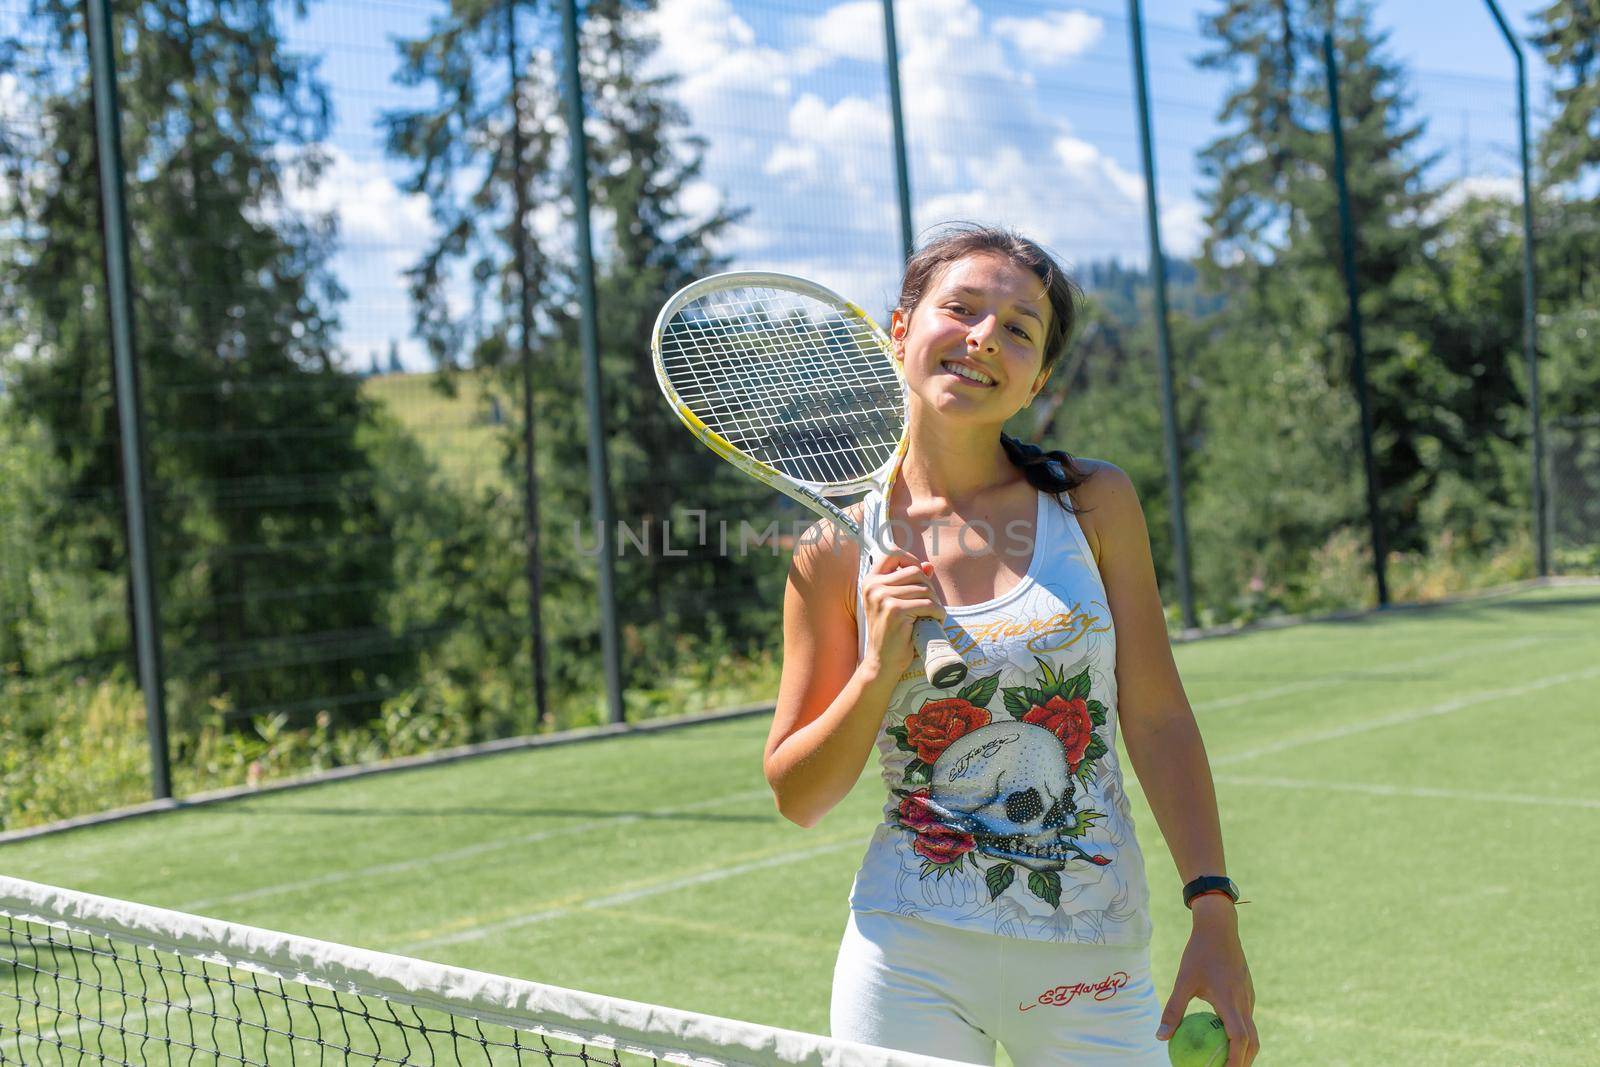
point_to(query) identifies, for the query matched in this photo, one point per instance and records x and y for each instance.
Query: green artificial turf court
(1410, 801)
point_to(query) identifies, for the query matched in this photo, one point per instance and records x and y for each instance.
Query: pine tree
(647, 246)
(1570, 40)
(1277, 366)
(252, 428)
(641, 164)
(504, 146)
(1568, 228)
(1569, 151)
(1256, 168)
(1273, 479)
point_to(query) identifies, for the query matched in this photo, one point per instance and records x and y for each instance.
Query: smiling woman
(1006, 862)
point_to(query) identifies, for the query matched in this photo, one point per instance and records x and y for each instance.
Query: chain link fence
(356, 324)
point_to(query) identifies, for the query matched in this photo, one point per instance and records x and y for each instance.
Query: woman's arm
(831, 700)
(1157, 723)
(1169, 757)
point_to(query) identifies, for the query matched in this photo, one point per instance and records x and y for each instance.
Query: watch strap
(1210, 883)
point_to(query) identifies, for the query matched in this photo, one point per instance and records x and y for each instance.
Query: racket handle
(943, 664)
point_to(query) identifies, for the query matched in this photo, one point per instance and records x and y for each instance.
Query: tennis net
(89, 979)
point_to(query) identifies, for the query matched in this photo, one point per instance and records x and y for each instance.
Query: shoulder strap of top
(1069, 519)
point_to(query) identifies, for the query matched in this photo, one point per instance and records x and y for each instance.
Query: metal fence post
(1158, 278)
(1530, 311)
(891, 49)
(130, 415)
(1352, 286)
(599, 476)
(530, 476)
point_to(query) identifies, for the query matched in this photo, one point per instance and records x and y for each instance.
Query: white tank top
(1005, 809)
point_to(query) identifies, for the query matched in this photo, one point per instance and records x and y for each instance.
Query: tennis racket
(798, 388)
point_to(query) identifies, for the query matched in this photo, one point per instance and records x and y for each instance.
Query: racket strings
(776, 412)
(749, 390)
(800, 385)
(796, 348)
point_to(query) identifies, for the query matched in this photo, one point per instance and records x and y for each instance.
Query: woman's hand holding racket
(896, 592)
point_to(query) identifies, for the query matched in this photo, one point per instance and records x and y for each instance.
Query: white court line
(1446, 707)
(451, 855)
(1324, 680)
(611, 900)
(466, 852)
(469, 851)
(1412, 791)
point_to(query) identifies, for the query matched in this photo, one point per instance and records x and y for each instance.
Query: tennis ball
(1199, 1041)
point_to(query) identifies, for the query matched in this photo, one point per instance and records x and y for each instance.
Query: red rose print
(914, 813)
(935, 840)
(942, 844)
(939, 722)
(1100, 861)
(1068, 720)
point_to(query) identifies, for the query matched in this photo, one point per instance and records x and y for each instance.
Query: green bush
(73, 746)
(69, 747)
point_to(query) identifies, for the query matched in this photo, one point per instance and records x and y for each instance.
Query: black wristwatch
(1209, 883)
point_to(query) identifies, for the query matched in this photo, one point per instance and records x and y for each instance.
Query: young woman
(1003, 898)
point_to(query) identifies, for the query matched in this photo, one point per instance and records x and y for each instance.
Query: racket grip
(943, 664)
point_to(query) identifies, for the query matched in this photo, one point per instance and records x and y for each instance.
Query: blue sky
(1019, 113)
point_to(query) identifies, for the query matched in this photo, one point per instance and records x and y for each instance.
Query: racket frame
(944, 666)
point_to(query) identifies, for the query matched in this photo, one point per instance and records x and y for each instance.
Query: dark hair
(1054, 471)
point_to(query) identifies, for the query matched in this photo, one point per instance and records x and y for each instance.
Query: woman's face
(974, 346)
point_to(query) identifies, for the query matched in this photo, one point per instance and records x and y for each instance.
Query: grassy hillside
(458, 433)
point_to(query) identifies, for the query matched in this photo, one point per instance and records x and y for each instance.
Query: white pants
(909, 984)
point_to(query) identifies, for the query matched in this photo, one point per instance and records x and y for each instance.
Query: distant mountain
(1124, 291)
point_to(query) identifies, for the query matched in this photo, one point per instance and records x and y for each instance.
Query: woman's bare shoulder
(1103, 501)
(827, 560)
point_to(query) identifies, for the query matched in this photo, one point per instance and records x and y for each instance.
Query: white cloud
(799, 160)
(382, 232)
(1010, 190)
(1183, 227)
(850, 123)
(737, 93)
(714, 54)
(1076, 154)
(811, 156)
(814, 173)
(1484, 187)
(954, 76)
(8, 113)
(836, 164)
(1052, 38)
(1505, 189)
(989, 148)
(700, 200)
(371, 210)
(695, 33)
(1084, 161)
(30, 129)
(852, 30)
